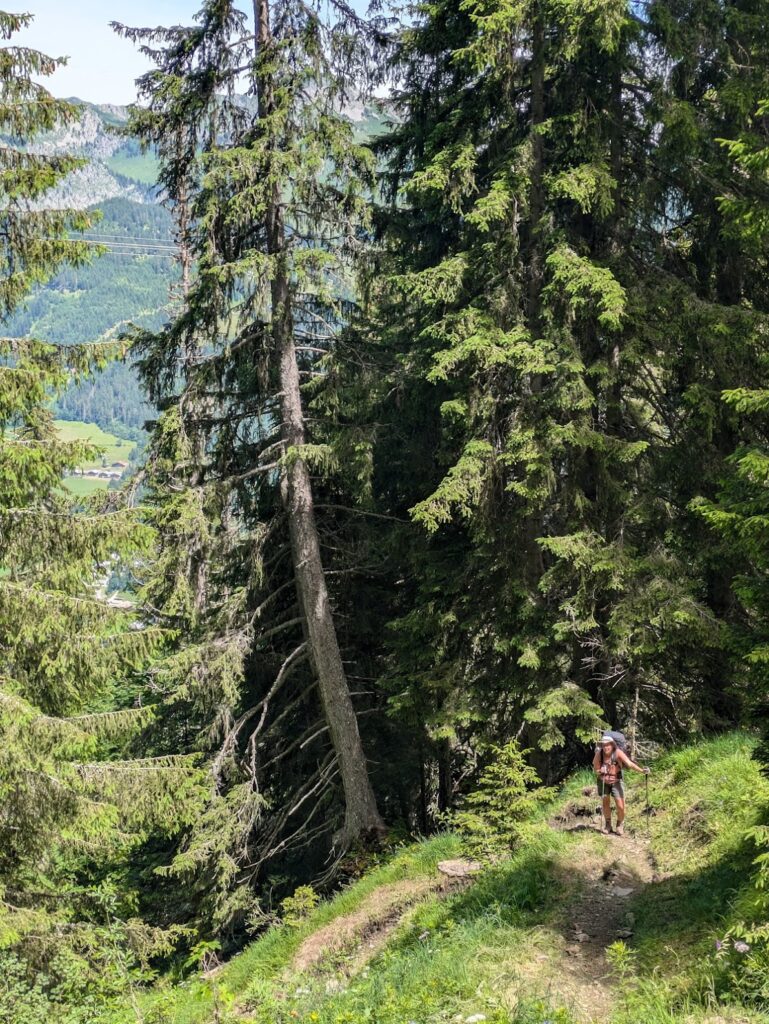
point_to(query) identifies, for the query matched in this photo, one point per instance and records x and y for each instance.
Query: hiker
(608, 763)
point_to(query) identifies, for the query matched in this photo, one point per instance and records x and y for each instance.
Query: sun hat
(608, 739)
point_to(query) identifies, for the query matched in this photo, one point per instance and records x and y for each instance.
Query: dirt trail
(570, 966)
(360, 935)
(349, 942)
(565, 962)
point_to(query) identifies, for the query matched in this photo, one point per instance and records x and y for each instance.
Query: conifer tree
(514, 333)
(269, 194)
(738, 512)
(70, 663)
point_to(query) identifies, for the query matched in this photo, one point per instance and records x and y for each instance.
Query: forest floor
(575, 927)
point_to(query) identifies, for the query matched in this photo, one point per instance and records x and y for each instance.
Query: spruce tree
(738, 511)
(71, 663)
(268, 190)
(521, 384)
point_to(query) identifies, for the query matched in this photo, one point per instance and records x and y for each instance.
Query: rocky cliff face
(116, 169)
(92, 136)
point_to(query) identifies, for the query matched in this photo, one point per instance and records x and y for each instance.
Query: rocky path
(607, 873)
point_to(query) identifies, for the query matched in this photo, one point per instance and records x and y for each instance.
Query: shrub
(489, 820)
(297, 907)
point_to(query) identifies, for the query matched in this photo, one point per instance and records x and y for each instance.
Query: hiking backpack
(619, 739)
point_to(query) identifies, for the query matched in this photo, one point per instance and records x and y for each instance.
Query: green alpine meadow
(384, 512)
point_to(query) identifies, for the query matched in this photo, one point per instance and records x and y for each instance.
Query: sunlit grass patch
(496, 950)
(114, 448)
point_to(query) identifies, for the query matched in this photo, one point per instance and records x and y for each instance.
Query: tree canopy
(460, 450)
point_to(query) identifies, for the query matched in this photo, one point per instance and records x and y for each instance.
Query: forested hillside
(457, 457)
(137, 267)
(129, 282)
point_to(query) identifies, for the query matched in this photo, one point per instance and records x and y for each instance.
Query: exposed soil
(574, 970)
(358, 937)
(600, 917)
(365, 931)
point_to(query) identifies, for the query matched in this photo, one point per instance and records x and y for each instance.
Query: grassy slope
(82, 487)
(142, 167)
(475, 952)
(115, 449)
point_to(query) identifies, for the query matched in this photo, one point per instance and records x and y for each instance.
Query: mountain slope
(130, 282)
(115, 167)
(575, 927)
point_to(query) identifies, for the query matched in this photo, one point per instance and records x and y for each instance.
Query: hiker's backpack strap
(613, 767)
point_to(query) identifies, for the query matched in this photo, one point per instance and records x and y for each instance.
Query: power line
(134, 255)
(133, 245)
(170, 252)
(94, 235)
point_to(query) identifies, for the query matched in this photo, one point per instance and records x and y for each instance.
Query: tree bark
(361, 814)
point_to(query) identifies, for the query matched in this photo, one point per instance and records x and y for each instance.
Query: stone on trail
(459, 868)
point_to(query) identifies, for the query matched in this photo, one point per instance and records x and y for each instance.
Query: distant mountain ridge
(117, 168)
(132, 281)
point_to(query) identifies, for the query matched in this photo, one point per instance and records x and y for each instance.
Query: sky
(102, 67)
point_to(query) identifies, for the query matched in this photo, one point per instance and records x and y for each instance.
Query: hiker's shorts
(616, 789)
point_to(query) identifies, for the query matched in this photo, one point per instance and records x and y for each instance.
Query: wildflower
(742, 947)
(719, 945)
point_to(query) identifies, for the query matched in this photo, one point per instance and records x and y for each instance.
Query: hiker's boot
(620, 829)
(607, 829)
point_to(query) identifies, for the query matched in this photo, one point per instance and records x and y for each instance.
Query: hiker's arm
(597, 762)
(625, 760)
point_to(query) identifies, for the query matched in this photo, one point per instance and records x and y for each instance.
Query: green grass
(142, 167)
(267, 958)
(83, 487)
(705, 797)
(114, 448)
(455, 957)
(451, 960)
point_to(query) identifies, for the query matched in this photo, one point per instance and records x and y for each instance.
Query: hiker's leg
(607, 808)
(619, 803)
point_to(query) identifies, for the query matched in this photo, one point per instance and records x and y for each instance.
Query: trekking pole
(648, 810)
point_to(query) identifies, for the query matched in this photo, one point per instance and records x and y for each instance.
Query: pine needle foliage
(491, 819)
(71, 665)
(555, 306)
(269, 191)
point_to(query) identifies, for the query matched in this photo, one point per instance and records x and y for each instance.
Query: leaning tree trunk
(361, 814)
